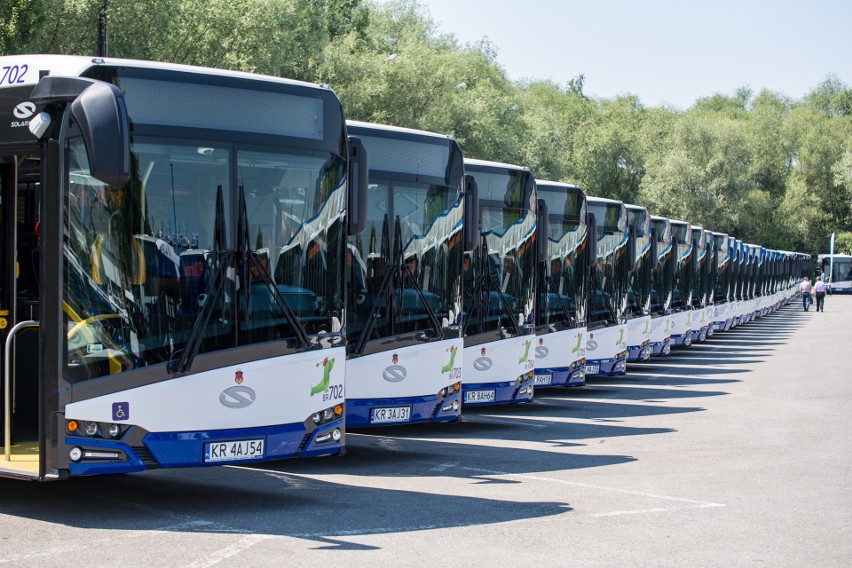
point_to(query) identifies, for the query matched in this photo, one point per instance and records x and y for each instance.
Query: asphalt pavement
(734, 452)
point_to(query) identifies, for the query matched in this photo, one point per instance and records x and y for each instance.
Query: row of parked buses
(200, 268)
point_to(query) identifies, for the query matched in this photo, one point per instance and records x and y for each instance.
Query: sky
(666, 52)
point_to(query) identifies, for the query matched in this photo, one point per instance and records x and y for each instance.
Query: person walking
(805, 289)
(819, 289)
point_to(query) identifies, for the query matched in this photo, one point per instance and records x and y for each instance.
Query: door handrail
(7, 384)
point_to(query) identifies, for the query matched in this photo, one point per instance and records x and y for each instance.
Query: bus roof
(398, 129)
(604, 200)
(76, 65)
(486, 163)
(556, 184)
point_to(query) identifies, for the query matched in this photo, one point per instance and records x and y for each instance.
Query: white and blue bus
(172, 252)
(738, 283)
(404, 305)
(560, 312)
(639, 284)
(499, 287)
(836, 269)
(722, 303)
(661, 291)
(684, 274)
(606, 346)
(703, 257)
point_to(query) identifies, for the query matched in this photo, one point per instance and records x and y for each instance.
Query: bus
(661, 282)
(722, 302)
(499, 287)
(639, 284)
(404, 306)
(757, 285)
(710, 283)
(837, 270)
(738, 283)
(703, 258)
(172, 274)
(560, 312)
(684, 274)
(606, 346)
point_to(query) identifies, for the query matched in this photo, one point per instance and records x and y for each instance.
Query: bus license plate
(544, 379)
(480, 396)
(233, 450)
(391, 414)
(592, 369)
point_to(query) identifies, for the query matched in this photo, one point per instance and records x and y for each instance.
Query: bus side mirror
(592, 239)
(631, 246)
(472, 220)
(654, 247)
(542, 230)
(99, 110)
(356, 208)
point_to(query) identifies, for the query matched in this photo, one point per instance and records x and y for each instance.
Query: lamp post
(102, 30)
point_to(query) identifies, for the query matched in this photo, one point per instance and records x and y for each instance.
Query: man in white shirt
(805, 288)
(819, 288)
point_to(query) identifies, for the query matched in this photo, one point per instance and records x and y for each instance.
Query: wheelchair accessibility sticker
(120, 411)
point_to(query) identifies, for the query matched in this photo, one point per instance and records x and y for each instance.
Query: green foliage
(763, 167)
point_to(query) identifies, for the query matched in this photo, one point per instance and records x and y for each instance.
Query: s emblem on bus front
(237, 397)
(541, 351)
(395, 373)
(24, 110)
(483, 363)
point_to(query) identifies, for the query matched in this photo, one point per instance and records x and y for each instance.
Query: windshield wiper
(548, 282)
(383, 289)
(599, 287)
(395, 269)
(409, 276)
(213, 293)
(251, 259)
(480, 280)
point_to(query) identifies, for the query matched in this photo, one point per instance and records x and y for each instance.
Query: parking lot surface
(734, 452)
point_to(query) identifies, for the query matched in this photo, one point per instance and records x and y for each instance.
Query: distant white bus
(839, 271)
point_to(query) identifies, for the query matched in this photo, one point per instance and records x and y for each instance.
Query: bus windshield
(405, 269)
(840, 270)
(639, 284)
(661, 295)
(499, 277)
(684, 271)
(144, 261)
(561, 283)
(610, 273)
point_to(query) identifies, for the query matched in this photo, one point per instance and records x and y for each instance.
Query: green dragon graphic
(526, 356)
(579, 341)
(326, 377)
(449, 366)
(620, 336)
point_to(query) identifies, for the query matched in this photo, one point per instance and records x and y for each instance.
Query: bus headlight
(75, 454)
(114, 430)
(91, 428)
(326, 415)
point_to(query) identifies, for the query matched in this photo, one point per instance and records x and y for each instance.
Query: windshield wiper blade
(409, 276)
(213, 293)
(252, 257)
(548, 281)
(480, 291)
